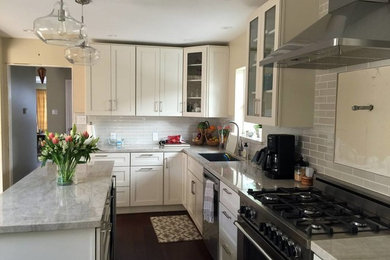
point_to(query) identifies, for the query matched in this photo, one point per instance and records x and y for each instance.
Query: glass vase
(65, 174)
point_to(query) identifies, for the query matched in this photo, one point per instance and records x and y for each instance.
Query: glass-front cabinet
(261, 80)
(252, 68)
(194, 81)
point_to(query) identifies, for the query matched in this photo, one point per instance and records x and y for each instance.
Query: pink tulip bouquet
(66, 151)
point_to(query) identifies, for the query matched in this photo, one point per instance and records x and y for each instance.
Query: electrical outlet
(155, 136)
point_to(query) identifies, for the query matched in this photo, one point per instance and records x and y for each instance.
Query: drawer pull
(226, 215)
(101, 156)
(145, 170)
(192, 187)
(166, 163)
(145, 155)
(226, 249)
(227, 191)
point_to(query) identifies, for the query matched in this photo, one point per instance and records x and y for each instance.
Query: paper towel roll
(91, 129)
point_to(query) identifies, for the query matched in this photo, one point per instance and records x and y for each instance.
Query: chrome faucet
(239, 144)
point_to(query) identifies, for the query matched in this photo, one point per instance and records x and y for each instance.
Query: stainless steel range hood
(352, 34)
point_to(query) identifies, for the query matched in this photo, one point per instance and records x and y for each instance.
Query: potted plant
(257, 128)
(66, 151)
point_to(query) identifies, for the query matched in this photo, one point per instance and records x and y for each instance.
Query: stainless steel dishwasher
(211, 230)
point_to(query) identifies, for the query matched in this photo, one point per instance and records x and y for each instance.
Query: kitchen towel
(208, 202)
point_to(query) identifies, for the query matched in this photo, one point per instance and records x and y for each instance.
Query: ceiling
(180, 22)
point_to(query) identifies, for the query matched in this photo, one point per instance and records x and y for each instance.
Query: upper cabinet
(111, 82)
(205, 90)
(278, 97)
(159, 81)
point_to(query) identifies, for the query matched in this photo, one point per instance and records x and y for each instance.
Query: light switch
(155, 136)
(54, 112)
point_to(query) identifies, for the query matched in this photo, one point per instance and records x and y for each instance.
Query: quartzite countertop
(37, 203)
(356, 248)
(238, 175)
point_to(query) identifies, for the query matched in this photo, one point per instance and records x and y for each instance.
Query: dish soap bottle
(245, 152)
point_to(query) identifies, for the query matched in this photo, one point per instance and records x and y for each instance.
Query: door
(99, 83)
(148, 80)
(146, 186)
(194, 88)
(191, 194)
(199, 204)
(267, 75)
(123, 80)
(251, 85)
(173, 178)
(171, 82)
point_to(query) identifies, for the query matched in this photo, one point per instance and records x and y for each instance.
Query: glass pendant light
(82, 54)
(59, 27)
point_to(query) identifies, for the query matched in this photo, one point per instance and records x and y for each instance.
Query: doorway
(35, 106)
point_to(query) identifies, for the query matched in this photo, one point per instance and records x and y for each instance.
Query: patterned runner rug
(174, 228)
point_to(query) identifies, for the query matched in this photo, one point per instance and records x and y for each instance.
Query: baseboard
(146, 209)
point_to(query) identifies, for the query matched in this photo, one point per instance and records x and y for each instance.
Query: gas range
(282, 222)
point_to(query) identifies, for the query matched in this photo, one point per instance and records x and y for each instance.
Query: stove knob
(297, 252)
(248, 212)
(290, 249)
(262, 226)
(283, 243)
(242, 209)
(252, 214)
(278, 238)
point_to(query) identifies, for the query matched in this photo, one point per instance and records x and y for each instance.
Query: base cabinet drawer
(122, 176)
(226, 222)
(146, 159)
(122, 197)
(227, 248)
(120, 159)
(229, 198)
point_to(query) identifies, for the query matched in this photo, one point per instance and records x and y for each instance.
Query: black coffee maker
(277, 159)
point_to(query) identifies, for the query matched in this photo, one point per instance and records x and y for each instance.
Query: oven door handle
(237, 224)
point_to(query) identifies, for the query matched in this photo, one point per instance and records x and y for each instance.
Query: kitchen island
(41, 220)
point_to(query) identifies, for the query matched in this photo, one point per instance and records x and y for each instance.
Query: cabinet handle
(256, 104)
(101, 156)
(225, 248)
(161, 107)
(181, 107)
(192, 187)
(155, 106)
(227, 191)
(166, 163)
(356, 107)
(145, 155)
(226, 215)
(184, 107)
(145, 170)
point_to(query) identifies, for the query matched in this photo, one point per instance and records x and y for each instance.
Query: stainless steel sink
(218, 157)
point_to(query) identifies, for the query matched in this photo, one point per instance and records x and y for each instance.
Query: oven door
(251, 245)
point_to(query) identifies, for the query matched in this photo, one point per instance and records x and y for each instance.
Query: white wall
(138, 130)
(237, 59)
(1, 133)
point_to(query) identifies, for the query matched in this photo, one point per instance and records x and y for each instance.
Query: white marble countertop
(238, 175)
(371, 247)
(37, 203)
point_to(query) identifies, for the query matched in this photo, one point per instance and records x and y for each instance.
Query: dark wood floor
(135, 239)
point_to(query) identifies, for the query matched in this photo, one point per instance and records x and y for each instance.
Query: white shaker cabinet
(111, 82)
(146, 186)
(205, 89)
(173, 178)
(159, 81)
(278, 96)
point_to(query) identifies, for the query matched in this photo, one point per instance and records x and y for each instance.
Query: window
(247, 129)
